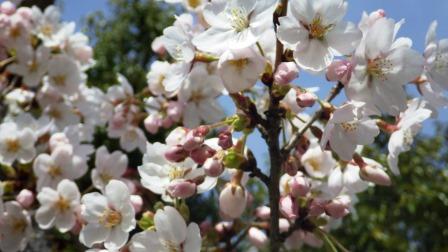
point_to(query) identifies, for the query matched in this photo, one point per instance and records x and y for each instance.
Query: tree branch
(296, 137)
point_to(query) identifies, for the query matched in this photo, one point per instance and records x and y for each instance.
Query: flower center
(62, 204)
(378, 68)
(110, 218)
(239, 64)
(54, 171)
(18, 225)
(408, 138)
(105, 177)
(33, 66)
(239, 19)
(176, 173)
(59, 80)
(317, 30)
(171, 246)
(12, 145)
(315, 164)
(441, 62)
(47, 30)
(54, 113)
(15, 32)
(194, 3)
(349, 126)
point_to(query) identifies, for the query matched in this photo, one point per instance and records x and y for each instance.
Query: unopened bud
(174, 111)
(286, 72)
(289, 207)
(291, 165)
(25, 198)
(257, 237)
(152, 123)
(338, 207)
(199, 155)
(340, 70)
(195, 138)
(316, 207)
(7, 8)
(232, 200)
(263, 212)
(225, 140)
(157, 46)
(375, 175)
(213, 167)
(181, 189)
(176, 153)
(137, 203)
(147, 220)
(299, 186)
(305, 99)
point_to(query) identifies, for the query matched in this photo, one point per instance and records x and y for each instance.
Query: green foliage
(412, 214)
(123, 40)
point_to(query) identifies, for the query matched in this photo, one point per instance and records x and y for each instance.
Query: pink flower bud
(263, 212)
(305, 99)
(225, 139)
(205, 226)
(340, 70)
(181, 189)
(316, 207)
(7, 8)
(338, 207)
(199, 155)
(167, 122)
(232, 200)
(299, 186)
(25, 198)
(223, 226)
(311, 240)
(375, 175)
(257, 237)
(195, 138)
(283, 225)
(118, 121)
(291, 166)
(213, 167)
(174, 111)
(289, 207)
(137, 203)
(157, 46)
(152, 123)
(286, 72)
(176, 154)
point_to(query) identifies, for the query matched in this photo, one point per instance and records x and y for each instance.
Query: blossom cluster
(249, 50)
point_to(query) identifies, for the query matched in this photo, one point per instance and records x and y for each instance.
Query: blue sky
(417, 13)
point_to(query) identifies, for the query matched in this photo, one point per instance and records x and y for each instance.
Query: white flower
(383, 66)
(64, 74)
(171, 234)
(16, 143)
(233, 200)
(158, 173)
(436, 55)
(62, 115)
(348, 127)
(109, 217)
(31, 64)
(47, 24)
(234, 24)
(317, 163)
(51, 169)
(118, 93)
(345, 177)
(409, 124)
(157, 77)
(240, 69)
(58, 207)
(436, 69)
(314, 30)
(199, 96)
(108, 166)
(17, 99)
(15, 228)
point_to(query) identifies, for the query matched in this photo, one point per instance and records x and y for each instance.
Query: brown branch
(296, 137)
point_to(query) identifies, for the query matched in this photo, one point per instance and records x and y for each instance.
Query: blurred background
(412, 215)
